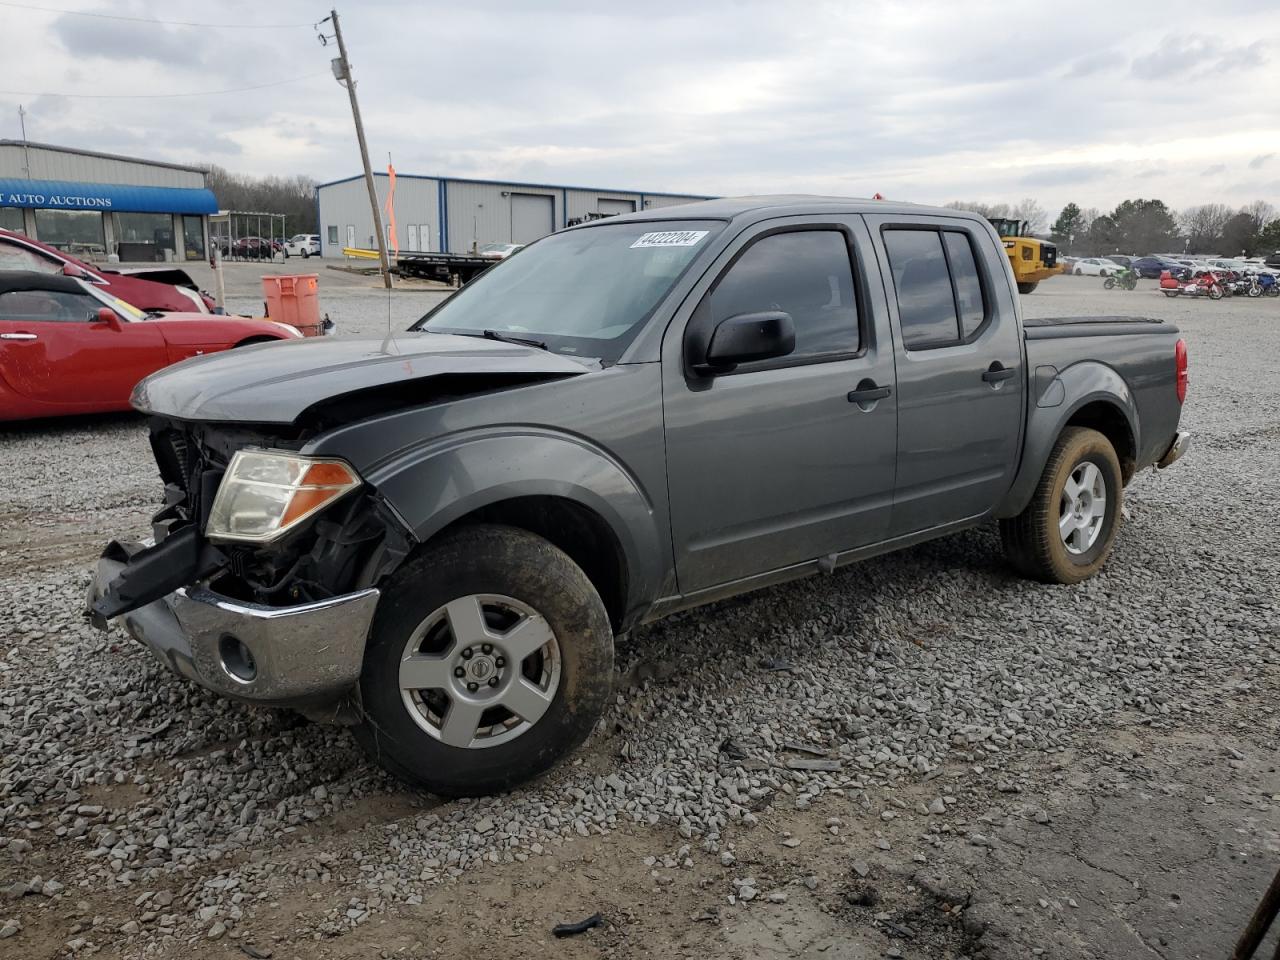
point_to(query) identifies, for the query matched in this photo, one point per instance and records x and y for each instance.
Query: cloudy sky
(926, 101)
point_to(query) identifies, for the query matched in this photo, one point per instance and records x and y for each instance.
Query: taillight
(1180, 358)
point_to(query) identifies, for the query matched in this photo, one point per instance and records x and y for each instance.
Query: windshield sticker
(670, 238)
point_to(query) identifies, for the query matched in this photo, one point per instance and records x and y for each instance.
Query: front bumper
(278, 656)
(1181, 443)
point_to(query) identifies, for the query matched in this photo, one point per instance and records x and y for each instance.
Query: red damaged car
(147, 288)
(67, 346)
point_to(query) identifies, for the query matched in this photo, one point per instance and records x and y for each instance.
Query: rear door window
(940, 295)
(926, 305)
(964, 273)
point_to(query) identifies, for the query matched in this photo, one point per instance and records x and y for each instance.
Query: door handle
(868, 394)
(18, 336)
(995, 373)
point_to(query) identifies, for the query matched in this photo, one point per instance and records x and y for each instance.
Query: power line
(165, 23)
(156, 96)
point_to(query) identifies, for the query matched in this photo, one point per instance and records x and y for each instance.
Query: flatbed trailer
(455, 268)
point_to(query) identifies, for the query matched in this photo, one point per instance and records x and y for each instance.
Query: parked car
(1094, 267)
(255, 248)
(1150, 268)
(633, 417)
(1120, 259)
(498, 251)
(162, 288)
(68, 346)
(1273, 260)
(303, 245)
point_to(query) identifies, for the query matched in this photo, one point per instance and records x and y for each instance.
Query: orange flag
(391, 208)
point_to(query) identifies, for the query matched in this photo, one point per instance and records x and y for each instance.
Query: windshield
(126, 310)
(583, 292)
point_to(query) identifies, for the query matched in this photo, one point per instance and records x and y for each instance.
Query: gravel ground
(952, 761)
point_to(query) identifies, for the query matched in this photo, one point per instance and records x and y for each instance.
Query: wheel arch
(1089, 394)
(579, 531)
(561, 488)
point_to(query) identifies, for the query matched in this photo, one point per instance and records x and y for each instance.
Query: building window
(142, 237)
(333, 235)
(193, 237)
(11, 219)
(77, 232)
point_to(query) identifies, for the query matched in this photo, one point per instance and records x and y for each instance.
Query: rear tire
(1028, 287)
(1066, 532)
(444, 722)
(1172, 293)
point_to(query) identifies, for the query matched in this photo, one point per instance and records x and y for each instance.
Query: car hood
(279, 382)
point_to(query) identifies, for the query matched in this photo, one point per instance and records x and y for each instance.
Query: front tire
(1108, 283)
(490, 658)
(1066, 532)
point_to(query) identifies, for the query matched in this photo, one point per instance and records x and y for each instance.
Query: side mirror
(108, 316)
(747, 337)
(71, 270)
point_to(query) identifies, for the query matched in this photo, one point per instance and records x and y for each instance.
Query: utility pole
(342, 72)
(26, 152)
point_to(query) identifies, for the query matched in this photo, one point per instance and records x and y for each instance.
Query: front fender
(1055, 398)
(433, 485)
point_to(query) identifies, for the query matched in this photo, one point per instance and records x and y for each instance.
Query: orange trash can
(293, 299)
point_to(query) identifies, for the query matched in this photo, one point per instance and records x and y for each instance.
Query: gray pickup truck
(436, 536)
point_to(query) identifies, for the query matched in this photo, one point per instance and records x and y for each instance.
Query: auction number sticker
(670, 238)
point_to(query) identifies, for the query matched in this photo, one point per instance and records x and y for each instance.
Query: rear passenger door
(786, 460)
(959, 367)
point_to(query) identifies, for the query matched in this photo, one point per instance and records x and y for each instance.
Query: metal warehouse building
(98, 205)
(456, 216)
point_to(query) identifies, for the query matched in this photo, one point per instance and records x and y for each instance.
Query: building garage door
(611, 207)
(532, 217)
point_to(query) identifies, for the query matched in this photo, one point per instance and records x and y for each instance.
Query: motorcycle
(1203, 285)
(1261, 284)
(1124, 278)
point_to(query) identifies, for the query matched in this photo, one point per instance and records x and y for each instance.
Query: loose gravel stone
(932, 659)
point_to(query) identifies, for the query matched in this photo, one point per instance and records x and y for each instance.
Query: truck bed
(1055, 328)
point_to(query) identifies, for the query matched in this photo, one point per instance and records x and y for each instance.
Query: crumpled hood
(277, 382)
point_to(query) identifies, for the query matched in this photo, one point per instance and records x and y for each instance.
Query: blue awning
(104, 197)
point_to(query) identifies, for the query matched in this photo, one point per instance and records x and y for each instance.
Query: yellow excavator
(1033, 260)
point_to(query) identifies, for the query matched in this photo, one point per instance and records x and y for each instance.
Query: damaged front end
(278, 618)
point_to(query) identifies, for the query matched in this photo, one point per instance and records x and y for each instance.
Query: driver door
(54, 349)
(783, 461)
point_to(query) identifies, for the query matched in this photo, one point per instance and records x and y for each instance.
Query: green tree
(1145, 226)
(1239, 235)
(1068, 228)
(1102, 237)
(1268, 241)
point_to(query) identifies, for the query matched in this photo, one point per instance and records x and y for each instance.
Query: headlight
(265, 493)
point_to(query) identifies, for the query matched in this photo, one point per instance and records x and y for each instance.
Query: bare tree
(1202, 226)
(980, 208)
(1087, 216)
(1029, 209)
(1260, 212)
(293, 196)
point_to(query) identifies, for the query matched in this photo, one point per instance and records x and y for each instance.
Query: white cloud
(931, 101)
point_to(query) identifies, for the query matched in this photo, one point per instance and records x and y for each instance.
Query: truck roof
(782, 205)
